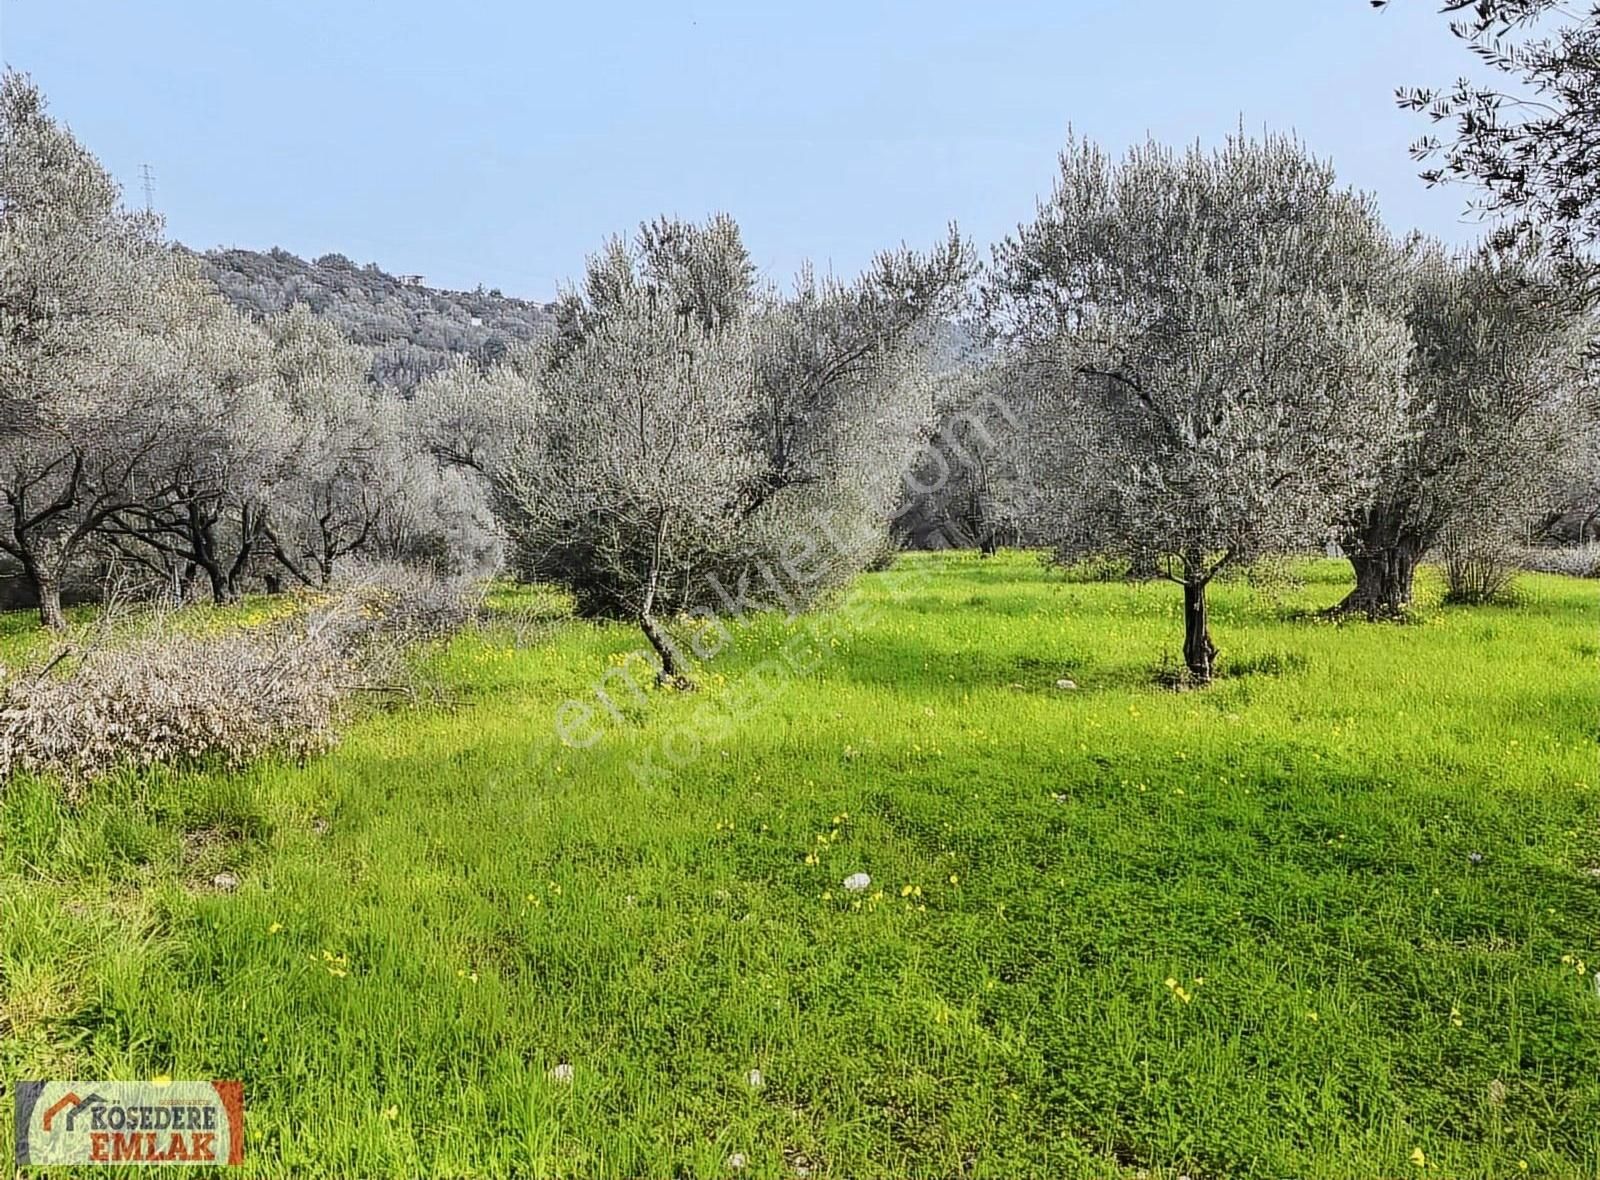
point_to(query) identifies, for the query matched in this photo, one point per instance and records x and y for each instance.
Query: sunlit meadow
(1337, 915)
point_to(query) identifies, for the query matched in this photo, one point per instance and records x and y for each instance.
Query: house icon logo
(73, 1105)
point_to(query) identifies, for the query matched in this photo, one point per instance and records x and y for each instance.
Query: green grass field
(1309, 922)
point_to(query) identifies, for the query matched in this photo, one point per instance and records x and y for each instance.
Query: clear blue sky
(499, 142)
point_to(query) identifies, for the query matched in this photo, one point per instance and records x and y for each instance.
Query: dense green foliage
(1375, 845)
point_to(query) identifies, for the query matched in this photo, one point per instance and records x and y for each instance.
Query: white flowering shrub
(166, 691)
(173, 697)
(405, 603)
(1576, 561)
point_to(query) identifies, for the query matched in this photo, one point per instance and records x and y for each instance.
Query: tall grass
(1321, 916)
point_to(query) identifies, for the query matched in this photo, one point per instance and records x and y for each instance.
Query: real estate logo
(161, 1122)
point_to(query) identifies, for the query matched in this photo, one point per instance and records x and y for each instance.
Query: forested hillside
(412, 330)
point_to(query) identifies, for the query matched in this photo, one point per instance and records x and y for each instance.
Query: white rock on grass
(227, 882)
(857, 883)
(736, 1161)
(1066, 683)
(560, 1073)
(755, 1079)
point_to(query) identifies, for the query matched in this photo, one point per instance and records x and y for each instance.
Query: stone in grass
(755, 1079)
(737, 1162)
(225, 881)
(560, 1073)
(1065, 683)
(857, 883)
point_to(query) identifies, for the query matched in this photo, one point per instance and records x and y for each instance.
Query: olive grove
(1185, 360)
(144, 422)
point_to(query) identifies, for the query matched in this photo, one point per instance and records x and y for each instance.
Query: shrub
(409, 603)
(1093, 568)
(159, 689)
(1478, 568)
(168, 696)
(1576, 561)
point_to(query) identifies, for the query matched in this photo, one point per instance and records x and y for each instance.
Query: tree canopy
(1531, 143)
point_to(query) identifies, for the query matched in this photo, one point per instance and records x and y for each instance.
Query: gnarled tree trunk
(671, 666)
(1384, 579)
(1384, 546)
(45, 584)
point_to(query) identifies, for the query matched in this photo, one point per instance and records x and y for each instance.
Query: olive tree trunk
(1384, 579)
(672, 669)
(1199, 653)
(1384, 546)
(47, 587)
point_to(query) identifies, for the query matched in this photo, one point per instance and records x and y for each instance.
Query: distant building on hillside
(410, 280)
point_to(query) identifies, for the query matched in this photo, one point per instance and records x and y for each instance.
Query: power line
(149, 178)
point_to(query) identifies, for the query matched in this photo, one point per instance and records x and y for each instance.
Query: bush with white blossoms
(162, 690)
(1576, 561)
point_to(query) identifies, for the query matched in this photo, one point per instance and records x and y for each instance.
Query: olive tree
(204, 508)
(438, 516)
(688, 436)
(1577, 490)
(1528, 140)
(1498, 398)
(635, 479)
(1214, 374)
(849, 377)
(968, 487)
(345, 454)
